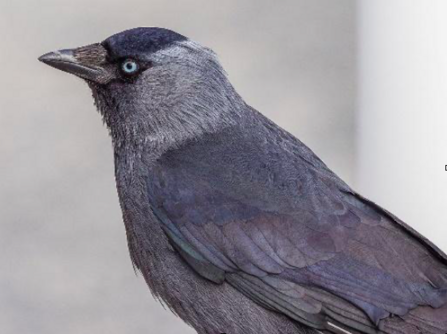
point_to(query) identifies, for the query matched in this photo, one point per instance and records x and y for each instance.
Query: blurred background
(362, 83)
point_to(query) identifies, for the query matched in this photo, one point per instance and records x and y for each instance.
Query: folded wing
(309, 248)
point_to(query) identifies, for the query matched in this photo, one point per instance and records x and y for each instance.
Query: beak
(87, 62)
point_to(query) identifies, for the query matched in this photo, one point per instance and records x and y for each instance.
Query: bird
(235, 224)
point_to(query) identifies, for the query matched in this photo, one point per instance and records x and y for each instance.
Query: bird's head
(151, 83)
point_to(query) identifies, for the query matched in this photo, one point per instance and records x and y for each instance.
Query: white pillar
(402, 120)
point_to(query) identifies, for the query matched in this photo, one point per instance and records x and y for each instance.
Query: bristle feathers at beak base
(87, 62)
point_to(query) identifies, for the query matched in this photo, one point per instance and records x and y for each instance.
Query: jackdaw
(235, 224)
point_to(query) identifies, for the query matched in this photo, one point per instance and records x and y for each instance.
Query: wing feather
(306, 246)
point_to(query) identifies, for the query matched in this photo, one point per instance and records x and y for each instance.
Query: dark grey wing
(320, 254)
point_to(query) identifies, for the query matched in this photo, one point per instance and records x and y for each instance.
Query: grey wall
(402, 111)
(64, 266)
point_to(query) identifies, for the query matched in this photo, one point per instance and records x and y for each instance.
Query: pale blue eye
(129, 66)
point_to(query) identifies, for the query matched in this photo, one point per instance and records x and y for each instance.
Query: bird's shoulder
(252, 153)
